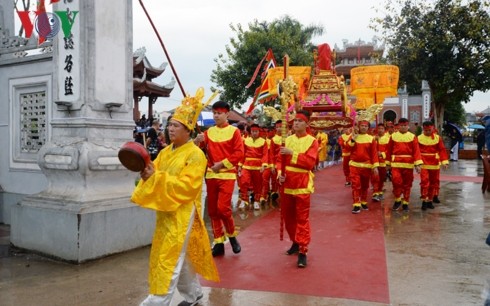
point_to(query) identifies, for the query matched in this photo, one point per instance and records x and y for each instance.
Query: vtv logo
(47, 25)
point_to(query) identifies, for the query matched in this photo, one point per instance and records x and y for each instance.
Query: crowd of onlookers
(151, 134)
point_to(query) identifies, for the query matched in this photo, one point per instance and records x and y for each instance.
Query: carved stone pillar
(85, 212)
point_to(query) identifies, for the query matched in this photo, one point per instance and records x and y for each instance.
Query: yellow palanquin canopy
(372, 84)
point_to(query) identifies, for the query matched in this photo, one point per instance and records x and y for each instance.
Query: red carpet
(346, 257)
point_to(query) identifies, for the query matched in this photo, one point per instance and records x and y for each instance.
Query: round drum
(134, 156)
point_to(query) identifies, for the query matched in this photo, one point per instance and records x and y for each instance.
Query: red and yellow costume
(363, 158)
(298, 187)
(274, 155)
(267, 174)
(222, 144)
(345, 154)
(402, 155)
(255, 157)
(379, 180)
(433, 154)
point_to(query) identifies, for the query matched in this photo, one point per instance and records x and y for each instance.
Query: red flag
(254, 102)
(269, 56)
(264, 89)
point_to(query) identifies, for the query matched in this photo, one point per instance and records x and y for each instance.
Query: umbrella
(476, 127)
(453, 129)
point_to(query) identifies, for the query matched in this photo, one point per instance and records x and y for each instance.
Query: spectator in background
(162, 143)
(486, 121)
(152, 139)
(418, 129)
(138, 137)
(480, 143)
(454, 145)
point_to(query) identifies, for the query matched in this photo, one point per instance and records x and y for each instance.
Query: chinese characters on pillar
(68, 46)
(426, 106)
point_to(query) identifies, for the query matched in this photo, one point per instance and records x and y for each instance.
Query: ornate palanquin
(326, 99)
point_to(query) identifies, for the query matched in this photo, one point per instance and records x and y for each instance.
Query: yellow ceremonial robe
(173, 191)
(322, 139)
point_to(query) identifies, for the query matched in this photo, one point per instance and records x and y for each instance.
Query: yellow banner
(372, 84)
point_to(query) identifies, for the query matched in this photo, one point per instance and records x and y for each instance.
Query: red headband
(220, 109)
(301, 117)
(255, 128)
(363, 122)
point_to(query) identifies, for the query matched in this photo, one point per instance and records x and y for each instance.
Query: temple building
(356, 54)
(143, 84)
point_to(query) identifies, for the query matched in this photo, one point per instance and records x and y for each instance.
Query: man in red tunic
(345, 154)
(403, 155)
(224, 149)
(299, 155)
(433, 155)
(274, 155)
(382, 138)
(267, 174)
(252, 166)
(363, 163)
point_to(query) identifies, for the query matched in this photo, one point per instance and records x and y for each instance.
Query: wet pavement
(437, 257)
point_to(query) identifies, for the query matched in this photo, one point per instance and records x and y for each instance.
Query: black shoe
(274, 196)
(397, 205)
(218, 249)
(356, 210)
(424, 205)
(293, 249)
(185, 303)
(364, 207)
(301, 260)
(235, 245)
(347, 184)
(435, 199)
(430, 205)
(405, 207)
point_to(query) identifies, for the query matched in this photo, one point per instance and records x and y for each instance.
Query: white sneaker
(242, 205)
(256, 205)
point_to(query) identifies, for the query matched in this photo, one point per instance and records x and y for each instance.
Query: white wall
(17, 179)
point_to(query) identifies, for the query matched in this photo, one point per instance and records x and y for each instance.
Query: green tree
(284, 36)
(444, 42)
(454, 112)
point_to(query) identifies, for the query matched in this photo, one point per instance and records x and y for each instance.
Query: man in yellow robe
(172, 186)
(322, 139)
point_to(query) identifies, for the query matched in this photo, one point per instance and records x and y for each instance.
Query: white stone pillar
(85, 212)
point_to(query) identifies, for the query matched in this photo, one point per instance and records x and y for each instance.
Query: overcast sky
(196, 32)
